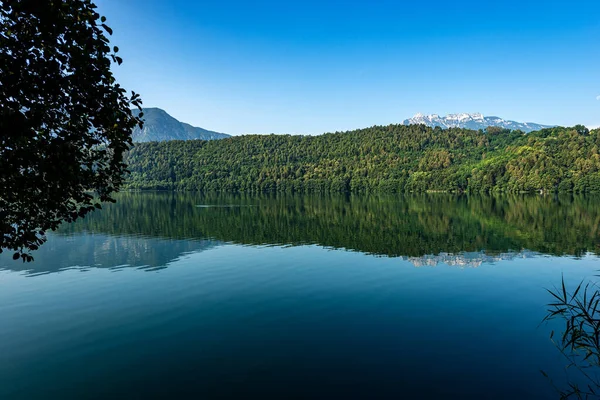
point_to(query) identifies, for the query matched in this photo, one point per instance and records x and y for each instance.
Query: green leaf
(576, 290)
(107, 29)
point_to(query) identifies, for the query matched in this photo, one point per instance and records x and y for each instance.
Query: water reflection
(152, 229)
(97, 250)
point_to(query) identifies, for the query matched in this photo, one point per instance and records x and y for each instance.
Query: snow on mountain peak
(471, 121)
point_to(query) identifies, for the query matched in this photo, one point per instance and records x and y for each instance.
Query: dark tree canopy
(64, 121)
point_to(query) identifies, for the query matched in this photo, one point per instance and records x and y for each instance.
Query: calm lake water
(166, 295)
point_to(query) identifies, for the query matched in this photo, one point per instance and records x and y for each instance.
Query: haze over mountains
(473, 121)
(160, 126)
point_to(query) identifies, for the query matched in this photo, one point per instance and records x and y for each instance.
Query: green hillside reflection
(410, 226)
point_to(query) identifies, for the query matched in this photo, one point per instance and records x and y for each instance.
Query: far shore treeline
(383, 159)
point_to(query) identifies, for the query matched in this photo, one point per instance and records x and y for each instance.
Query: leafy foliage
(64, 121)
(384, 159)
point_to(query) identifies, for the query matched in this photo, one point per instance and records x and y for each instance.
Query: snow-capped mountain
(471, 121)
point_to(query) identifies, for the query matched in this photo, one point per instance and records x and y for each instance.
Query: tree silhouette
(64, 121)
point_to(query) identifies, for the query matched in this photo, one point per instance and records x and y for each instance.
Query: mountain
(474, 121)
(160, 126)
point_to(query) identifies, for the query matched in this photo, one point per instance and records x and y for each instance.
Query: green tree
(64, 121)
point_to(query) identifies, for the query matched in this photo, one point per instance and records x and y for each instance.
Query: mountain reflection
(151, 229)
(94, 250)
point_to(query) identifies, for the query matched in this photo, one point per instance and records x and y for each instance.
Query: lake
(165, 295)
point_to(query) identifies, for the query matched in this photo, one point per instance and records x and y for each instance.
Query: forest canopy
(383, 159)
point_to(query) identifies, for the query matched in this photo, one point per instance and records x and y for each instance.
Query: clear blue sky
(319, 66)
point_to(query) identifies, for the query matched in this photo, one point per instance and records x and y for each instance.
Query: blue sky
(320, 66)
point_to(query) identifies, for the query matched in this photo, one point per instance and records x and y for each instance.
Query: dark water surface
(168, 295)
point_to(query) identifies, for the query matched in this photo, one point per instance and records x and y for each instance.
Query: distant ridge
(160, 126)
(471, 121)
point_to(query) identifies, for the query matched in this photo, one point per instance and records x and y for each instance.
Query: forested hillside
(392, 158)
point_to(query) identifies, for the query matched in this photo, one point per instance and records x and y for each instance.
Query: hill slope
(472, 121)
(160, 126)
(392, 158)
